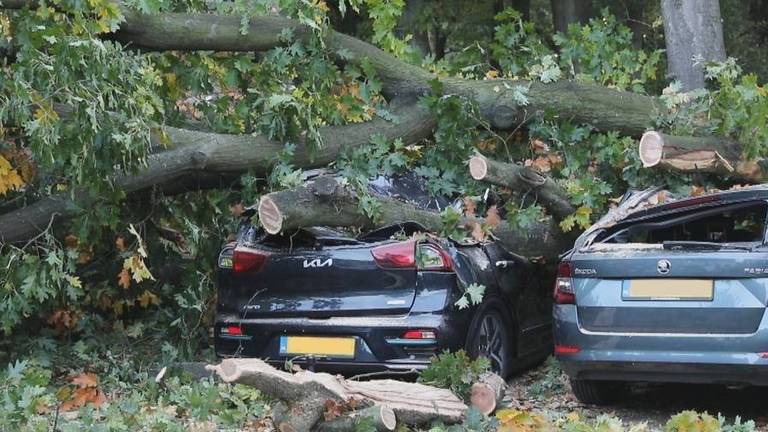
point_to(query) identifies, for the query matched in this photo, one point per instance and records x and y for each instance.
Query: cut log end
(478, 167)
(387, 419)
(269, 215)
(651, 148)
(487, 393)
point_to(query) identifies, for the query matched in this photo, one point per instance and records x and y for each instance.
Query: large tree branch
(601, 107)
(325, 202)
(192, 152)
(700, 154)
(523, 179)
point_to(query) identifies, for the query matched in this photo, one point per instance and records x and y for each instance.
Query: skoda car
(672, 291)
(382, 301)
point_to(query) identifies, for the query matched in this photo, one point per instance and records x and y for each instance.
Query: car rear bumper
(687, 358)
(378, 347)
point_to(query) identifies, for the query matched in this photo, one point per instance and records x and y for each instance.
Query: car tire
(597, 392)
(492, 335)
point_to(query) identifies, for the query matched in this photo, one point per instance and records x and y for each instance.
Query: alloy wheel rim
(491, 341)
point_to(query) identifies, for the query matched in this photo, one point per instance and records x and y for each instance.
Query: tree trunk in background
(410, 24)
(566, 12)
(692, 30)
(522, 6)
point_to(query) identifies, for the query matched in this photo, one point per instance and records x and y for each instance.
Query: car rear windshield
(724, 224)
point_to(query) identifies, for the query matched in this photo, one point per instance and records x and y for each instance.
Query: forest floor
(545, 390)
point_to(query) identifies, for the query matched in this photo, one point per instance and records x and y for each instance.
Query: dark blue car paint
(354, 298)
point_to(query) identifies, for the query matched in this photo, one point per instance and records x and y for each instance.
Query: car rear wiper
(686, 244)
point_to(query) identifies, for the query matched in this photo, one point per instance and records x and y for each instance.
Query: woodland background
(133, 136)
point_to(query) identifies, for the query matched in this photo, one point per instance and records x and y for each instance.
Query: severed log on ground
(486, 394)
(306, 393)
(521, 178)
(326, 202)
(699, 154)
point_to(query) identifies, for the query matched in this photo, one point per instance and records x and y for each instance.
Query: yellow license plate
(671, 289)
(318, 346)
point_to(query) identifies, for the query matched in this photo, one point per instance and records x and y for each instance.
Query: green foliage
(455, 372)
(736, 108)
(455, 135)
(473, 295)
(550, 384)
(602, 51)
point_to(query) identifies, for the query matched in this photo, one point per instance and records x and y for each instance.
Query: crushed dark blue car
(381, 301)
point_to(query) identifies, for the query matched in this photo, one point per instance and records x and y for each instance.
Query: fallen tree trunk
(521, 178)
(699, 154)
(306, 393)
(487, 393)
(325, 202)
(193, 152)
(599, 106)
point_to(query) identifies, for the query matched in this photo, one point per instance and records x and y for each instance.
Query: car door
(518, 280)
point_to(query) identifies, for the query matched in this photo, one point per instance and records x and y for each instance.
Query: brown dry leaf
(470, 208)
(124, 278)
(86, 255)
(147, 298)
(120, 243)
(71, 241)
(237, 209)
(333, 409)
(87, 392)
(63, 319)
(538, 146)
(477, 232)
(85, 379)
(487, 145)
(492, 217)
(542, 164)
(698, 190)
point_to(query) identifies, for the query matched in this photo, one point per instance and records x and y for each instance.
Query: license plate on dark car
(343, 347)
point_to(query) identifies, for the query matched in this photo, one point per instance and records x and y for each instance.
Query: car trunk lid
(721, 292)
(324, 278)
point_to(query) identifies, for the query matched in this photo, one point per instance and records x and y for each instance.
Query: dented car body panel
(676, 292)
(388, 296)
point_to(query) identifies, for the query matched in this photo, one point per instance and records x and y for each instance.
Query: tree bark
(193, 152)
(521, 178)
(693, 30)
(287, 210)
(306, 392)
(566, 12)
(487, 393)
(700, 154)
(603, 108)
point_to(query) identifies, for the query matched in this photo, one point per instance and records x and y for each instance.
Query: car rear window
(735, 223)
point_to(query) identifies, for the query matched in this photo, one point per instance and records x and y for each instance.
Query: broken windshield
(726, 226)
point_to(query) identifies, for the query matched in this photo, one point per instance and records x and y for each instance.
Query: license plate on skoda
(334, 347)
(669, 289)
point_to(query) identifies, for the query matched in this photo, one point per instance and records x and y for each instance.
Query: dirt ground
(545, 390)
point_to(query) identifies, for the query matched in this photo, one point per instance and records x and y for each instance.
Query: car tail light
(564, 285)
(432, 257)
(232, 330)
(419, 334)
(245, 259)
(396, 255)
(566, 349)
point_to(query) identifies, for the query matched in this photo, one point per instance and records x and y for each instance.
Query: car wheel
(490, 339)
(597, 392)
